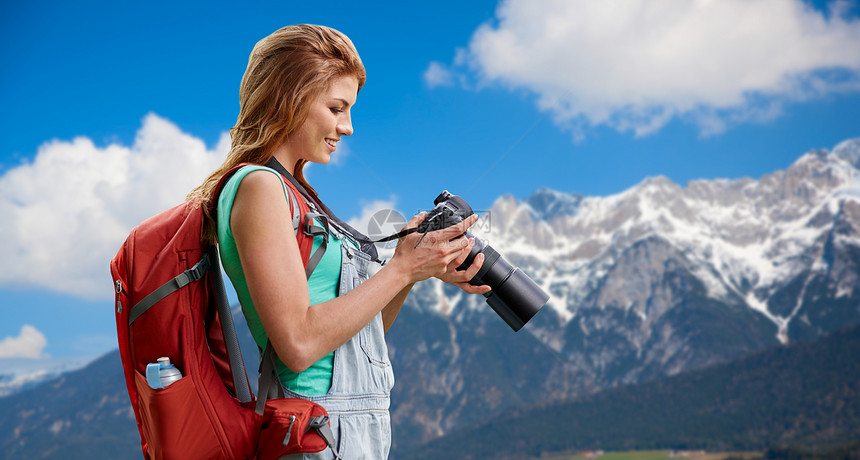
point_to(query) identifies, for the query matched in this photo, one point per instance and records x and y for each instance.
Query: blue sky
(113, 112)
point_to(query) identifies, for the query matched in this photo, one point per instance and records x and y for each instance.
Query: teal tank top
(322, 287)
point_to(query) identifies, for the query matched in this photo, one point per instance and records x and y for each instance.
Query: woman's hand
(421, 256)
(461, 278)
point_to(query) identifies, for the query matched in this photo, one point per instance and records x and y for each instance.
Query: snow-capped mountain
(742, 238)
(653, 281)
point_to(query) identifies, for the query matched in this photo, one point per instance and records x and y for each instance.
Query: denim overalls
(362, 378)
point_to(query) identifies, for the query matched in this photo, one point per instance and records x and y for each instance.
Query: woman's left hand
(461, 278)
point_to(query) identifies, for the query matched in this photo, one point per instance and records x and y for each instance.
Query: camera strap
(367, 244)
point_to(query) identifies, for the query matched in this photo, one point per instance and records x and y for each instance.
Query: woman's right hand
(421, 256)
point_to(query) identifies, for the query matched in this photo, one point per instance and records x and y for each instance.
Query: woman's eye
(336, 110)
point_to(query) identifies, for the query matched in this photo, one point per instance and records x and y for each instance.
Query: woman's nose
(344, 128)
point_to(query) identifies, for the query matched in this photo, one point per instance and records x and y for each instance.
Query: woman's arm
(389, 313)
(262, 226)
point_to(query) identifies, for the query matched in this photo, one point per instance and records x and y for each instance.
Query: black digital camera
(514, 296)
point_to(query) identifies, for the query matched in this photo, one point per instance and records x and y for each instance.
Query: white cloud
(67, 212)
(438, 75)
(634, 65)
(29, 344)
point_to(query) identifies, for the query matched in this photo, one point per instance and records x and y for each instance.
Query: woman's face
(328, 120)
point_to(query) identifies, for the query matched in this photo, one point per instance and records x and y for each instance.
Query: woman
(327, 330)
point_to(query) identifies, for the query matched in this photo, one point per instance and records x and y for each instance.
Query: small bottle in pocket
(161, 374)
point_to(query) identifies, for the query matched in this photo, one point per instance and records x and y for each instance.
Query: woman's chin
(320, 160)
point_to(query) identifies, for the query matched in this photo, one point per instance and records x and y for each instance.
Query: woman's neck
(284, 157)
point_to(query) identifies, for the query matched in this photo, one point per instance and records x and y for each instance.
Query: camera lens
(515, 297)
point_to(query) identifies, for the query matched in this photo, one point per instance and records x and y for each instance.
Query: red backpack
(171, 302)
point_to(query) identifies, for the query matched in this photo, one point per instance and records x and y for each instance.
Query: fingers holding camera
(421, 256)
(464, 254)
(470, 289)
(461, 278)
(416, 220)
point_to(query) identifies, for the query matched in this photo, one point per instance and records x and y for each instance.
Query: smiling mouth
(331, 142)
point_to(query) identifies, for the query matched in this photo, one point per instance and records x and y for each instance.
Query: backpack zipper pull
(118, 302)
(289, 430)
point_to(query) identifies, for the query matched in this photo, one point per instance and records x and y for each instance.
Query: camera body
(514, 296)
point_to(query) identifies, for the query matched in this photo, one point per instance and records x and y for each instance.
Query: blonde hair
(286, 72)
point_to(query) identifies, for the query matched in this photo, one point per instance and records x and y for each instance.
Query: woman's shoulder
(261, 189)
(256, 173)
(261, 183)
(256, 179)
(251, 194)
